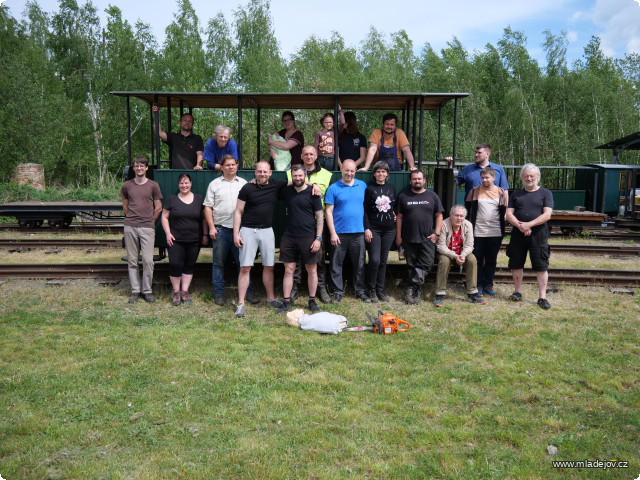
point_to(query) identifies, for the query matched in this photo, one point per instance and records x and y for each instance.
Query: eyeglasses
(286, 120)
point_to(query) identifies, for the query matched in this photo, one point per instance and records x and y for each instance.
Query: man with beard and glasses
(418, 226)
(302, 236)
(529, 211)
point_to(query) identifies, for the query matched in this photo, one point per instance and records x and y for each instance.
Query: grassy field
(92, 387)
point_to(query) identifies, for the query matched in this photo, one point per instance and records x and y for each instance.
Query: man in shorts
(302, 236)
(529, 211)
(252, 231)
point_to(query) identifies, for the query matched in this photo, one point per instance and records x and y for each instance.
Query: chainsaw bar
(360, 329)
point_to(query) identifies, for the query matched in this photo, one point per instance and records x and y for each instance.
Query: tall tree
(183, 53)
(325, 66)
(259, 64)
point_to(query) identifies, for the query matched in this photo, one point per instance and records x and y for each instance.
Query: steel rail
(615, 250)
(203, 270)
(59, 243)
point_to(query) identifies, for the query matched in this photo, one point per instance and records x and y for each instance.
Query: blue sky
(475, 23)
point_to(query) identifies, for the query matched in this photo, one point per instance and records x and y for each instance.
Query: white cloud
(620, 21)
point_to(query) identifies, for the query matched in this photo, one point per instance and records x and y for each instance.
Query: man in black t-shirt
(302, 237)
(252, 231)
(185, 148)
(529, 211)
(418, 225)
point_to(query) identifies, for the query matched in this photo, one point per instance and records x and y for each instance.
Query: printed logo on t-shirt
(421, 202)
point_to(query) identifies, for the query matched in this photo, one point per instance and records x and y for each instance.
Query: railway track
(59, 243)
(112, 227)
(609, 234)
(615, 250)
(629, 278)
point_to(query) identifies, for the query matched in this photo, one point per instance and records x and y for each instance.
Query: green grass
(12, 192)
(91, 387)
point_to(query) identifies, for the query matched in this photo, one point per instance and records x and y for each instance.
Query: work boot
(383, 297)
(185, 298)
(324, 295)
(313, 306)
(220, 300)
(175, 299)
(286, 305)
(408, 296)
(148, 297)
(249, 297)
(363, 296)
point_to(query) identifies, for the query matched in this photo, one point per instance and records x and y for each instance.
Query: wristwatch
(319, 239)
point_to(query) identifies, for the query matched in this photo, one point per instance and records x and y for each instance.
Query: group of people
(388, 143)
(348, 218)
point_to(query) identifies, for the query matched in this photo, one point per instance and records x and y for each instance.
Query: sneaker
(148, 297)
(284, 308)
(175, 299)
(313, 306)
(515, 297)
(134, 297)
(240, 310)
(479, 292)
(475, 298)
(489, 291)
(220, 300)
(275, 303)
(383, 297)
(372, 296)
(294, 293)
(544, 304)
(185, 298)
(362, 296)
(437, 302)
(324, 295)
(249, 297)
(337, 297)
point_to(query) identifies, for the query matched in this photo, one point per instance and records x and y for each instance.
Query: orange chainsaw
(384, 324)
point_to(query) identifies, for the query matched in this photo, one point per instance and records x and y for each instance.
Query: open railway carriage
(410, 108)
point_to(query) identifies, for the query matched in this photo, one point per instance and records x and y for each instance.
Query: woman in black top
(186, 230)
(353, 145)
(379, 229)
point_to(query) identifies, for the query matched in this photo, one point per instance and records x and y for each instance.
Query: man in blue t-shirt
(470, 175)
(344, 209)
(220, 145)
